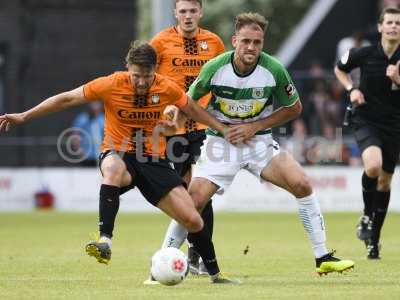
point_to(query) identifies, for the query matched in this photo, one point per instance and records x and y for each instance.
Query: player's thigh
(179, 205)
(369, 141)
(284, 171)
(372, 160)
(177, 152)
(201, 190)
(114, 170)
(193, 151)
(218, 162)
(390, 154)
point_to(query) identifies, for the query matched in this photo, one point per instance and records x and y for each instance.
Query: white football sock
(313, 222)
(175, 235)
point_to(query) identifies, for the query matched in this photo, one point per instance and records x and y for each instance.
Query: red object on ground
(44, 199)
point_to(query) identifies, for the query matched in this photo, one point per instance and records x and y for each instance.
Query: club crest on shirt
(257, 93)
(203, 45)
(155, 98)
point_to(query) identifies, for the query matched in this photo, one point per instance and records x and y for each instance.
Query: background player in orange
(131, 154)
(181, 52)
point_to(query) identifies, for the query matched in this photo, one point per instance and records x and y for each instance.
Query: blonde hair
(250, 18)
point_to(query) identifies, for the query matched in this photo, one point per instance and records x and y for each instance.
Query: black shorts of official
(154, 178)
(367, 135)
(183, 150)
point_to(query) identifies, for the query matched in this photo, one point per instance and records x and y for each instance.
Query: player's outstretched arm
(53, 104)
(197, 113)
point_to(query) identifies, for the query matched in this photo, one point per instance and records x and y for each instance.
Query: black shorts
(154, 179)
(367, 135)
(183, 150)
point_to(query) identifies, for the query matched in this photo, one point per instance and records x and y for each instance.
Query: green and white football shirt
(239, 99)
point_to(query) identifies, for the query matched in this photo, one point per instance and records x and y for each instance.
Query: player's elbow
(296, 109)
(337, 71)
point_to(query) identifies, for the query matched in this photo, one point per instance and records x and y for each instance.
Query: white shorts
(220, 161)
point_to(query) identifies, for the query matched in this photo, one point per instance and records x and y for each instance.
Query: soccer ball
(169, 266)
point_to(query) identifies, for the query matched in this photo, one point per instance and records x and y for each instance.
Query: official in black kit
(376, 121)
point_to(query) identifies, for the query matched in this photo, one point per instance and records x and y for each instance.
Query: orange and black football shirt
(181, 59)
(128, 115)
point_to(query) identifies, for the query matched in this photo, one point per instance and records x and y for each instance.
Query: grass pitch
(42, 257)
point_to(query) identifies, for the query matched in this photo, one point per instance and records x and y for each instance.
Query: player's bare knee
(198, 200)
(114, 173)
(384, 184)
(193, 222)
(373, 169)
(199, 204)
(302, 188)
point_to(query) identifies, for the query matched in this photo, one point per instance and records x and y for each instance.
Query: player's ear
(234, 40)
(379, 28)
(175, 15)
(201, 12)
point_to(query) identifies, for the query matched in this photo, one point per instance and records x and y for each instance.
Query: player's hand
(393, 72)
(173, 113)
(357, 97)
(240, 133)
(7, 120)
(166, 127)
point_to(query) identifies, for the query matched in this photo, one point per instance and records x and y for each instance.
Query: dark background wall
(346, 17)
(53, 46)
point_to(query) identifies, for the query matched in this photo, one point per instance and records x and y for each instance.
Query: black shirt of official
(382, 96)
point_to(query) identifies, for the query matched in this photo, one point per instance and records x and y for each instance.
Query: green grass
(42, 257)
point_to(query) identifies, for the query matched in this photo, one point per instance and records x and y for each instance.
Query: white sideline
(77, 189)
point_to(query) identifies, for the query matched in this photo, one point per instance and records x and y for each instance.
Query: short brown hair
(388, 10)
(142, 54)
(250, 19)
(200, 2)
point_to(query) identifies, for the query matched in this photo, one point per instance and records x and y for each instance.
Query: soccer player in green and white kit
(243, 83)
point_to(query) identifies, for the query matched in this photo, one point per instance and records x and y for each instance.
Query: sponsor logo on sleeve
(290, 89)
(345, 58)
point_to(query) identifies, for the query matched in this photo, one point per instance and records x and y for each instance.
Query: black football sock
(108, 209)
(382, 204)
(205, 247)
(369, 193)
(208, 217)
